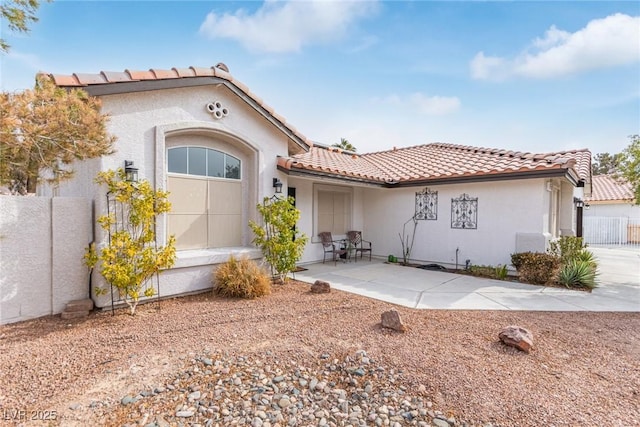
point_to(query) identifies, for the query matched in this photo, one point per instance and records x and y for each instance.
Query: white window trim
(335, 189)
(204, 176)
(162, 132)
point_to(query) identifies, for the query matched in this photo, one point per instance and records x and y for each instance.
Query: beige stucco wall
(146, 124)
(512, 216)
(505, 208)
(42, 243)
(617, 210)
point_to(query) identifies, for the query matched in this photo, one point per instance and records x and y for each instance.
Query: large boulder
(517, 337)
(320, 287)
(391, 319)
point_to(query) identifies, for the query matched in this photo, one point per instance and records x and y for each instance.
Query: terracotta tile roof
(334, 161)
(607, 188)
(105, 78)
(437, 161)
(405, 165)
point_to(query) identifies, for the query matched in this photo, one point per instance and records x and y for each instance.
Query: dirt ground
(584, 369)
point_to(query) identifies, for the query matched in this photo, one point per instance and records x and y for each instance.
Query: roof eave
(327, 175)
(548, 173)
(149, 85)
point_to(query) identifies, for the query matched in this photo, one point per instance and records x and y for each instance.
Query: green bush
(501, 272)
(578, 274)
(481, 270)
(586, 256)
(567, 248)
(535, 267)
(241, 278)
(281, 242)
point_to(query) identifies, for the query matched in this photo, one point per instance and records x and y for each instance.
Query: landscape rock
(391, 319)
(320, 287)
(334, 396)
(517, 337)
(440, 423)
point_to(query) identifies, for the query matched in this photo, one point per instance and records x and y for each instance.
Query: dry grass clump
(241, 278)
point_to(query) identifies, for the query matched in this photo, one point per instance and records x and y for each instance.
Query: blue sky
(529, 76)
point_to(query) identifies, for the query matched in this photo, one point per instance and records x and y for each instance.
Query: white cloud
(435, 105)
(287, 26)
(602, 43)
(428, 105)
(488, 67)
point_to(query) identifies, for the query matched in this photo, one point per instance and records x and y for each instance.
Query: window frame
(206, 176)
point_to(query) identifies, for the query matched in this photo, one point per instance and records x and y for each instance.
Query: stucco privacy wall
(505, 210)
(42, 242)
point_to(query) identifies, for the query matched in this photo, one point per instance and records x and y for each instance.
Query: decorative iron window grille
(427, 205)
(464, 212)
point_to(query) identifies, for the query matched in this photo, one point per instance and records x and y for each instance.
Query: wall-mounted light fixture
(130, 171)
(578, 202)
(277, 184)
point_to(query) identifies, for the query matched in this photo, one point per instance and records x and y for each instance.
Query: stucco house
(218, 147)
(612, 216)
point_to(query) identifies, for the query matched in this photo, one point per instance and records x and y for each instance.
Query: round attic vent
(217, 110)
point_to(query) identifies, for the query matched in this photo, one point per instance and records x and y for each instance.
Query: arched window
(203, 162)
(206, 194)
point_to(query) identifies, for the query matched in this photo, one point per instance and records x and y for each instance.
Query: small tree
(407, 239)
(630, 166)
(18, 15)
(46, 129)
(132, 257)
(281, 243)
(605, 163)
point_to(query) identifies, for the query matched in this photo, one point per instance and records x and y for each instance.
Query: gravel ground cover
(296, 358)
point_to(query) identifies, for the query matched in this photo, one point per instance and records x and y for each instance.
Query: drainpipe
(52, 243)
(457, 250)
(93, 239)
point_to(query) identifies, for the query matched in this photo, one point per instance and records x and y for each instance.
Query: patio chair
(359, 245)
(329, 247)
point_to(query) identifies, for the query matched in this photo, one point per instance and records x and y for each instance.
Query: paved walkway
(619, 288)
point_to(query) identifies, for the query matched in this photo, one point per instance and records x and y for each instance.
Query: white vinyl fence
(613, 231)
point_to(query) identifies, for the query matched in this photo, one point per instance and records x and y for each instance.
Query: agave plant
(586, 256)
(578, 273)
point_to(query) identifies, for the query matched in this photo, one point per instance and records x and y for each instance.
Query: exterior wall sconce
(277, 184)
(578, 202)
(130, 171)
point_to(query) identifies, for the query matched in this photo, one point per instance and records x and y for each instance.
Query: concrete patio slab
(619, 286)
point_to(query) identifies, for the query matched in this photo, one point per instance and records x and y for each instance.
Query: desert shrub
(518, 259)
(586, 256)
(500, 272)
(567, 248)
(535, 267)
(241, 278)
(481, 270)
(578, 273)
